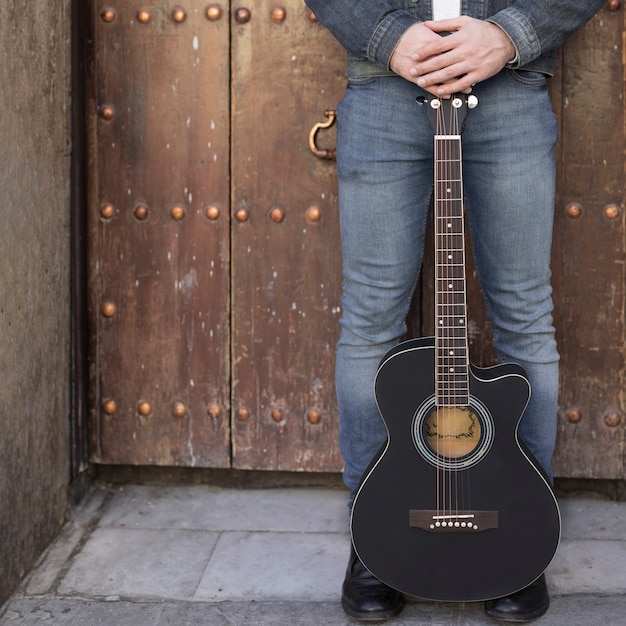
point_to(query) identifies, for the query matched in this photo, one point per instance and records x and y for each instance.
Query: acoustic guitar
(454, 507)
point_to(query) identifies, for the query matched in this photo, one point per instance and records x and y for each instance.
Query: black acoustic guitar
(454, 507)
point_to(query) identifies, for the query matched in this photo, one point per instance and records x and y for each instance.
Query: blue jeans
(384, 160)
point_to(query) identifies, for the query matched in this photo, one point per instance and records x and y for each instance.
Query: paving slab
(580, 610)
(214, 508)
(143, 563)
(275, 566)
(593, 519)
(54, 560)
(589, 566)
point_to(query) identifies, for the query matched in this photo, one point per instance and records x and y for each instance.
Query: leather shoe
(523, 605)
(365, 597)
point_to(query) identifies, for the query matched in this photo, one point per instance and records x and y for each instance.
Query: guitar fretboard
(451, 345)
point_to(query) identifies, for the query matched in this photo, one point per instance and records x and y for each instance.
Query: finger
(442, 76)
(461, 84)
(443, 87)
(443, 26)
(437, 47)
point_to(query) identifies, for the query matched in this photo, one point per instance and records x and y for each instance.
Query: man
(502, 51)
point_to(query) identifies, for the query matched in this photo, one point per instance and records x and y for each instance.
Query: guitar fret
(453, 400)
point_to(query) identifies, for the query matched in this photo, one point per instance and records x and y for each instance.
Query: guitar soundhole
(453, 437)
(452, 431)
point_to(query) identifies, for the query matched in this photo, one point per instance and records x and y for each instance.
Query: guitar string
(446, 157)
(441, 421)
(452, 205)
(441, 417)
(443, 311)
(455, 204)
(438, 320)
(452, 209)
(453, 492)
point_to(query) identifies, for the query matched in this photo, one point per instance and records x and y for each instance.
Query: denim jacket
(370, 29)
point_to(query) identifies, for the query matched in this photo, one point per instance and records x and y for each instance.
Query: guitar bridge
(453, 522)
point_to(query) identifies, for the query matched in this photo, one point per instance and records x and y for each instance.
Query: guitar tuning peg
(420, 100)
(472, 102)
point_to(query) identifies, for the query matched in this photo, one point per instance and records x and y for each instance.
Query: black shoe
(523, 605)
(364, 597)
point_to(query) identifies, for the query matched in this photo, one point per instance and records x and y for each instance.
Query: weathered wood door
(214, 253)
(213, 245)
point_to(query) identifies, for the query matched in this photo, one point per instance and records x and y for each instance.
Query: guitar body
(480, 522)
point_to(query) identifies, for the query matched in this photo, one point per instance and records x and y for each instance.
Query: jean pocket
(529, 77)
(361, 81)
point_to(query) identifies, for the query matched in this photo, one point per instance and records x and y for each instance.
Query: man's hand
(474, 51)
(416, 37)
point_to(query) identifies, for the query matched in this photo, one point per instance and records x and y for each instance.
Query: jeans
(384, 161)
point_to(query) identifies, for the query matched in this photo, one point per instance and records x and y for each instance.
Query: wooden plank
(286, 253)
(159, 272)
(589, 255)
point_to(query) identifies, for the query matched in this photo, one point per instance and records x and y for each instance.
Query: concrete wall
(34, 279)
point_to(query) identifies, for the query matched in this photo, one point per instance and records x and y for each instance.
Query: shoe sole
(519, 619)
(378, 616)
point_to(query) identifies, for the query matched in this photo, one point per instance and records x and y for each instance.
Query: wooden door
(214, 252)
(175, 283)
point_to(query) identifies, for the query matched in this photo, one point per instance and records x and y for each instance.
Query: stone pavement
(155, 555)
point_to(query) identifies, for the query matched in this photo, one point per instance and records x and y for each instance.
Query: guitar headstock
(447, 115)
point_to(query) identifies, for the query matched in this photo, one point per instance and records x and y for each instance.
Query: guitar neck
(451, 344)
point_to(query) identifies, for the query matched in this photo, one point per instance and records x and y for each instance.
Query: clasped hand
(473, 51)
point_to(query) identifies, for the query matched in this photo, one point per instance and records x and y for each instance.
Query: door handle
(329, 154)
